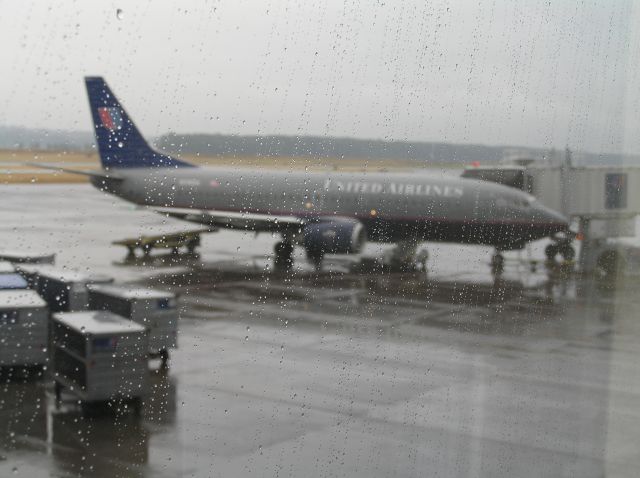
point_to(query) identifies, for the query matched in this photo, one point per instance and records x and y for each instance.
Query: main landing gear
(315, 257)
(283, 256)
(562, 248)
(497, 263)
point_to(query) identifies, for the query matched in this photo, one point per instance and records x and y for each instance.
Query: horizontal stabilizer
(95, 174)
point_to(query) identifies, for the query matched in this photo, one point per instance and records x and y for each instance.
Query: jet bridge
(603, 200)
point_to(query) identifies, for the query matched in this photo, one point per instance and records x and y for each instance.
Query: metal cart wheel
(164, 358)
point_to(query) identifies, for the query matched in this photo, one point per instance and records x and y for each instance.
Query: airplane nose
(554, 220)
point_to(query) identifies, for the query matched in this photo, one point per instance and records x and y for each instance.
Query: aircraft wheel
(551, 251)
(131, 252)
(283, 258)
(191, 245)
(421, 258)
(497, 264)
(164, 359)
(567, 251)
(316, 258)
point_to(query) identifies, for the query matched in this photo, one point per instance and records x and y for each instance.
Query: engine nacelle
(334, 236)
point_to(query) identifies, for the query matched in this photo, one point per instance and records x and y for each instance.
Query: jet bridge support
(603, 202)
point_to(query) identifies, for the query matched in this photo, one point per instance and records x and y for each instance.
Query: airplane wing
(235, 220)
(97, 174)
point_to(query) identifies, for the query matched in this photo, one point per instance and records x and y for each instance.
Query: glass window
(318, 237)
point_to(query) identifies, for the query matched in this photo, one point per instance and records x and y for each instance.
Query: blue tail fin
(120, 144)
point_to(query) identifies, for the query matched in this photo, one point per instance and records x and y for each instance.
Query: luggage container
(9, 278)
(154, 309)
(99, 356)
(12, 281)
(23, 328)
(30, 273)
(64, 290)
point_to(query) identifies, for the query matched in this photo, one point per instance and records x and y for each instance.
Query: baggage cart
(64, 290)
(99, 356)
(23, 328)
(12, 281)
(154, 309)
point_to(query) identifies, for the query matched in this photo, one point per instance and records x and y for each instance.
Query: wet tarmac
(336, 374)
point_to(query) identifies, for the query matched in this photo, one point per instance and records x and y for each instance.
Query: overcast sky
(527, 72)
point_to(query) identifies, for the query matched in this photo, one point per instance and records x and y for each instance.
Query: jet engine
(334, 236)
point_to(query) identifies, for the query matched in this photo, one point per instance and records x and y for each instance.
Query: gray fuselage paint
(392, 206)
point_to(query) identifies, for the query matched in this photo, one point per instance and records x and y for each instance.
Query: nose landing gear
(560, 269)
(564, 249)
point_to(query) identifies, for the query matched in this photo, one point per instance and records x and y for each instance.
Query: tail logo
(111, 118)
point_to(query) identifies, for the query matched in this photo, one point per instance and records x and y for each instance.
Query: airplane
(324, 212)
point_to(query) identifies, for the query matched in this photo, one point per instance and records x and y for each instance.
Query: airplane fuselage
(392, 206)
